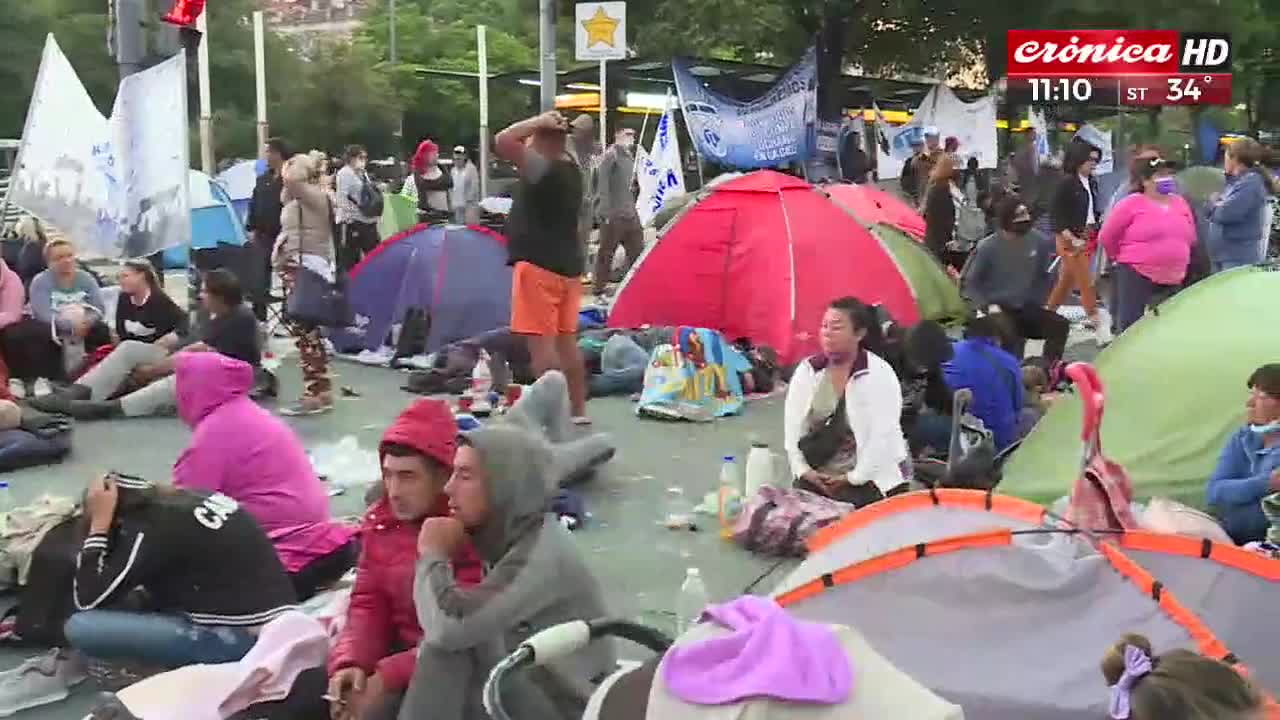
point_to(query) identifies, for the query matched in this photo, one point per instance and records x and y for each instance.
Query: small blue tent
(239, 180)
(213, 220)
(457, 274)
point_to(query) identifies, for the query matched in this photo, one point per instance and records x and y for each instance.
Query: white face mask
(1267, 429)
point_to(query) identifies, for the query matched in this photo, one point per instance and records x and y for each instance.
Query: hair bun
(1113, 661)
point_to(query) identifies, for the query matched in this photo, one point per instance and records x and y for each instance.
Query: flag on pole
(660, 175)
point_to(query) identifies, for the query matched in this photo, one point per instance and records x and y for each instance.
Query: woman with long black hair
(843, 431)
(1076, 211)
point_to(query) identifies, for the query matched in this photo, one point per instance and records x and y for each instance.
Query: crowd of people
(456, 560)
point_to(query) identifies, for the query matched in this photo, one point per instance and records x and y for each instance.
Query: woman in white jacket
(843, 434)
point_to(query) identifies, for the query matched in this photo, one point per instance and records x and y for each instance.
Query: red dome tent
(873, 205)
(760, 256)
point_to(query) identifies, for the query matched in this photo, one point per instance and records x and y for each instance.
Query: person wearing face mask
(1007, 276)
(1249, 467)
(842, 427)
(616, 205)
(1149, 235)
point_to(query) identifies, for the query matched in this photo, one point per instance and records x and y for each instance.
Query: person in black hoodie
(263, 224)
(208, 574)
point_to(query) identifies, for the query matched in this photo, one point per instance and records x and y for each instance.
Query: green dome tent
(1175, 390)
(399, 213)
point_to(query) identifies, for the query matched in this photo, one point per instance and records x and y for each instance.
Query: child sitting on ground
(1177, 685)
(1035, 383)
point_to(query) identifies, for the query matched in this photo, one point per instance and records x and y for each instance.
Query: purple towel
(769, 655)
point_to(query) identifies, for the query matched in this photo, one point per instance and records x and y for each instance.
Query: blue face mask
(1166, 185)
(1271, 427)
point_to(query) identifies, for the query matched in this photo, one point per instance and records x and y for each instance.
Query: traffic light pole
(130, 36)
(206, 112)
(547, 53)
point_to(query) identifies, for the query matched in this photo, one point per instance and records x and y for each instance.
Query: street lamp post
(398, 133)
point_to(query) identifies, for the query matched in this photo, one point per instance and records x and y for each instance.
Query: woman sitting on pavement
(145, 313)
(13, 301)
(498, 494)
(1249, 466)
(843, 430)
(208, 575)
(231, 330)
(66, 322)
(246, 453)
(1148, 235)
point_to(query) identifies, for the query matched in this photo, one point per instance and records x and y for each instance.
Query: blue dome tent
(457, 274)
(214, 221)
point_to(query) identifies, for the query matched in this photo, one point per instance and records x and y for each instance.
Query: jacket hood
(519, 474)
(207, 381)
(427, 426)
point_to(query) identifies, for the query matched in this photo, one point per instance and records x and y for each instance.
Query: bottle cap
(4, 485)
(728, 458)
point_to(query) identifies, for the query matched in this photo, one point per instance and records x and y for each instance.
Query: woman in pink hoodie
(13, 299)
(248, 454)
(1149, 235)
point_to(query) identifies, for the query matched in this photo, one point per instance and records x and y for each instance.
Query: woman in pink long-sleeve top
(1149, 235)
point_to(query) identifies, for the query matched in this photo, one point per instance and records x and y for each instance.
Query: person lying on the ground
(231, 330)
(995, 377)
(1008, 275)
(1249, 466)
(209, 574)
(241, 450)
(502, 479)
(144, 312)
(372, 660)
(842, 429)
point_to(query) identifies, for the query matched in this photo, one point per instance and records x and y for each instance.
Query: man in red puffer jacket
(373, 659)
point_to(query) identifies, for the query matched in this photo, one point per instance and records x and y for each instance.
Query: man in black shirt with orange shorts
(546, 252)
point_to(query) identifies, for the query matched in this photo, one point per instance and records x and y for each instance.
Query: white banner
(893, 144)
(149, 129)
(117, 187)
(1041, 126)
(66, 172)
(660, 174)
(972, 123)
(1100, 139)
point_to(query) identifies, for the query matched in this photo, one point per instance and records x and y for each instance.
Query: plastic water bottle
(759, 467)
(6, 498)
(481, 378)
(691, 601)
(729, 498)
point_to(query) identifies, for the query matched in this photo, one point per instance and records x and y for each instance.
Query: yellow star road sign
(600, 28)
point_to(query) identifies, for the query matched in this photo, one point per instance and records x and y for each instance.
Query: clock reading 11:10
(1067, 90)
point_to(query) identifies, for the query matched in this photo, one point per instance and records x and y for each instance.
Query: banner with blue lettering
(660, 174)
(773, 129)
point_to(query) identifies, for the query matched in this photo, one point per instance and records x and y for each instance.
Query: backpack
(779, 521)
(371, 202)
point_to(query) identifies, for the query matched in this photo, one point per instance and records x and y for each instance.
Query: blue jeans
(154, 639)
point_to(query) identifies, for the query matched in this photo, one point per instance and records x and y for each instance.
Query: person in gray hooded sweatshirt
(502, 478)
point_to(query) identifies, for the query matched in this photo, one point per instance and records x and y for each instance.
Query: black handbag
(820, 444)
(314, 300)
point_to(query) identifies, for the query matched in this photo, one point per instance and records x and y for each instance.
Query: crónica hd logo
(1116, 52)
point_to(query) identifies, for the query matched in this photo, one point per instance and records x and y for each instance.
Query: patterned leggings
(312, 357)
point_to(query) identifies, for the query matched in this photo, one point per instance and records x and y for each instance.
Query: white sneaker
(17, 389)
(43, 387)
